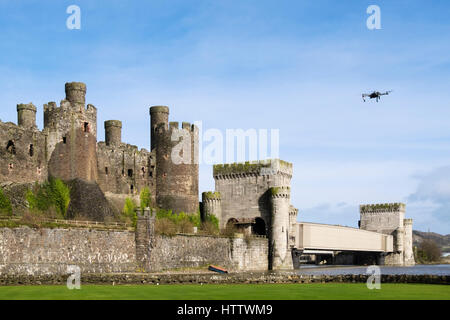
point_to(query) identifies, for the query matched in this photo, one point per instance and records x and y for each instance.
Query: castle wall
(25, 251)
(124, 169)
(50, 251)
(22, 154)
(201, 251)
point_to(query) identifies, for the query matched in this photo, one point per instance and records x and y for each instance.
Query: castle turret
(113, 132)
(26, 115)
(281, 257)
(212, 204)
(158, 115)
(76, 94)
(176, 170)
(408, 252)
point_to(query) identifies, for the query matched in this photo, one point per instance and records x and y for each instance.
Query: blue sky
(297, 66)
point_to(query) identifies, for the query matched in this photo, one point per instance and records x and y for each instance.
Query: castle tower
(389, 218)
(176, 168)
(26, 115)
(281, 257)
(76, 94)
(158, 115)
(212, 204)
(408, 243)
(71, 131)
(113, 132)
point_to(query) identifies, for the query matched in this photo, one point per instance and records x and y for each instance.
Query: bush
(182, 222)
(165, 226)
(185, 226)
(209, 228)
(51, 195)
(428, 251)
(146, 198)
(129, 212)
(5, 204)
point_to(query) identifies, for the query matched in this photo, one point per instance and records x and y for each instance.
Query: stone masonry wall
(185, 251)
(50, 251)
(26, 251)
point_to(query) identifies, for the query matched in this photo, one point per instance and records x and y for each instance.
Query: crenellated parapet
(280, 192)
(252, 168)
(382, 207)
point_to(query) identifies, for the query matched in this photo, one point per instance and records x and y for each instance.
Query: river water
(440, 269)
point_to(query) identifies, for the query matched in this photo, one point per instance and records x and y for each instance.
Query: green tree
(51, 194)
(146, 198)
(129, 211)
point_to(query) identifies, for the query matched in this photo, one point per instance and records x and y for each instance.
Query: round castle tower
(26, 115)
(76, 94)
(113, 132)
(280, 207)
(176, 183)
(408, 252)
(212, 204)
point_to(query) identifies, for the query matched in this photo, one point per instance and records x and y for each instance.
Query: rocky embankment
(213, 278)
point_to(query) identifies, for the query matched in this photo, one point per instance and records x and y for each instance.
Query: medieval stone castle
(253, 196)
(67, 148)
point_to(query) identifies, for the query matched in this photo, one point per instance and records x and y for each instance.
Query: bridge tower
(280, 253)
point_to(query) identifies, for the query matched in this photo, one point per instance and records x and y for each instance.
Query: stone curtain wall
(50, 251)
(26, 251)
(185, 251)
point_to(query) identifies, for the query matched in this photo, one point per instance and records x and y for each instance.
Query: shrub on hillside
(49, 196)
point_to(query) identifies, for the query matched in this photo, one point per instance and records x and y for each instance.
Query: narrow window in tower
(86, 127)
(64, 140)
(31, 150)
(150, 174)
(132, 188)
(106, 170)
(10, 147)
(130, 173)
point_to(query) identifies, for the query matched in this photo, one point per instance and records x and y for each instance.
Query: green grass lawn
(334, 291)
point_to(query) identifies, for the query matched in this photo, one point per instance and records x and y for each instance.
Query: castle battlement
(382, 207)
(280, 192)
(252, 168)
(211, 196)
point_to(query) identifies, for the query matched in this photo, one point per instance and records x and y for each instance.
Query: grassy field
(333, 291)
